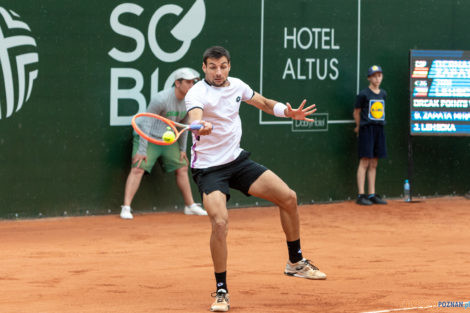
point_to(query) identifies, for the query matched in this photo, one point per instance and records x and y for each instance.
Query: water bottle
(406, 191)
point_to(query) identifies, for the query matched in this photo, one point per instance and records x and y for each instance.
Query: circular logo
(18, 59)
(377, 110)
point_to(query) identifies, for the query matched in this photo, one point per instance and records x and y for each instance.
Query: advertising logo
(18, 61)
(186, 29)
(376, 110)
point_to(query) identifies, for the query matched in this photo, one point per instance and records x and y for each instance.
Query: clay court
(378, 258)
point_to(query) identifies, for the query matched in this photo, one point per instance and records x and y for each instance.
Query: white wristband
(279, 109)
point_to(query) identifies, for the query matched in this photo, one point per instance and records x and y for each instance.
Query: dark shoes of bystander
(374, 198)
(362, 200)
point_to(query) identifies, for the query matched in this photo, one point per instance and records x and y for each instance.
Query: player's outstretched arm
(282, 110)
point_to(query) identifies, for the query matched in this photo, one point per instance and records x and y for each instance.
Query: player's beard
(213, 83)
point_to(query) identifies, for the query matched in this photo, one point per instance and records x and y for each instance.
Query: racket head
(152, 126)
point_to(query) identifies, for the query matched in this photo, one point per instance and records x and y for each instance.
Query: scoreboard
(439, 93)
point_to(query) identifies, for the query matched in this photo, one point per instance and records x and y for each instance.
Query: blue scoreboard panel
(439, 93)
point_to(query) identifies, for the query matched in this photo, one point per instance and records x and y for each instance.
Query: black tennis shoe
(362, 200)
(376, 199)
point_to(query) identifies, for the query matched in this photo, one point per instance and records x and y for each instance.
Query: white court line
(261, 50)
(261, 122)
(358, 42)
(404, 309)
(341, 121)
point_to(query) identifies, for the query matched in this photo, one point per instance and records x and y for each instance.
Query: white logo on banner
(188, 28)
(17, 73)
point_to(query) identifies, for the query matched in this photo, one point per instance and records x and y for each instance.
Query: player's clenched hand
(138, 158)
(206, 128)
(300, 113)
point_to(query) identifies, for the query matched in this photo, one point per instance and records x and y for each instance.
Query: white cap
(185, 73)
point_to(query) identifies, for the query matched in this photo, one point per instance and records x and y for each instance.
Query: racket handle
(195, 126)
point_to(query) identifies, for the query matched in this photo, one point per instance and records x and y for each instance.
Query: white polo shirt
(220, 107)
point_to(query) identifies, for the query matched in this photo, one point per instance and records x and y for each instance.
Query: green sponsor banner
(72, 76)
(310, 52)
(73, 73)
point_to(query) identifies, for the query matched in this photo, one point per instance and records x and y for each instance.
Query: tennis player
(218, 163)
(170, 104)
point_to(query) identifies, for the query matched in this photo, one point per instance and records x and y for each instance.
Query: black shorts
(239, 174)
(372, 141)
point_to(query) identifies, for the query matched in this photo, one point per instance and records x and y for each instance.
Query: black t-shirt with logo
(372, 106)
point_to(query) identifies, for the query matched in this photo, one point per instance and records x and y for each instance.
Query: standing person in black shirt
(369, 114)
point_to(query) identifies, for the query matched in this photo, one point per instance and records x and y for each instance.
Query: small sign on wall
(320, 123)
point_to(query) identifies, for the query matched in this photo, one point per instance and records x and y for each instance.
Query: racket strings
(152, 127)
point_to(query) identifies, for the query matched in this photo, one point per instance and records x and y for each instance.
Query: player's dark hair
(215, 52)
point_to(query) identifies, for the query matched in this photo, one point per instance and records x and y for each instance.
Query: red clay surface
(377, 258)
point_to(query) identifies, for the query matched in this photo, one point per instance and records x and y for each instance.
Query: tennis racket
(152, 127)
